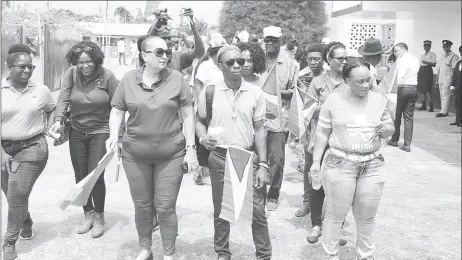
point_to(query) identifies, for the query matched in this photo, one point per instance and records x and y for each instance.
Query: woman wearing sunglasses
(88, 98)
(255, 63)
(155, 151)
(25, 104)
(352, 122)
(320, 88)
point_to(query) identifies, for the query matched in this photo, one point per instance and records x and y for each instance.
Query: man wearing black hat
(425, 76)
(456, 90)
(372, 52)
(444, 77)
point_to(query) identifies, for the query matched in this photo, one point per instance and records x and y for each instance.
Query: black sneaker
(9, 250)
(26, 231)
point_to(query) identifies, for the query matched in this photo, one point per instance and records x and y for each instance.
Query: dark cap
(447, 42)
(291, 38)
(427, 42)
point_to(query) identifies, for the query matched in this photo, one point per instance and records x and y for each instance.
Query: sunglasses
(79, 51)
(271, 40)
(341, 59)
(231, 62)
(159, 52)
(23, 67)
(315, 59)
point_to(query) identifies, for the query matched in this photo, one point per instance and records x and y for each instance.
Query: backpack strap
(209, 92)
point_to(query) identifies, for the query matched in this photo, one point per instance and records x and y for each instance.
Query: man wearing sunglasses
(180, 60)
(239, 108)
(277, 133)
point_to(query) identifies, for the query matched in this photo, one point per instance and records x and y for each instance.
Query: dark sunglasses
(271, 40)
(23, 67)
(159, 52)
(79, 51)
(231, 62)
(341, 59)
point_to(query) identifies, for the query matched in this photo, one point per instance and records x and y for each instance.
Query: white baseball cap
(272, 31)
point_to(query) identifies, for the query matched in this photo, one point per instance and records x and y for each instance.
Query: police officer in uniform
(444, 77)
(425, 76)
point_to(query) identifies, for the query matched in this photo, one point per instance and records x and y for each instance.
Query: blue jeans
(222, 229)
(276, 146)
(32, 156)
(86, 151)
(347, 184)
(154, 187)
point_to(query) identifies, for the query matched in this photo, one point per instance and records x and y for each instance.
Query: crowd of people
(172, 100)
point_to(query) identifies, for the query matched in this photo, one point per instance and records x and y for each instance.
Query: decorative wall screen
(360, 32)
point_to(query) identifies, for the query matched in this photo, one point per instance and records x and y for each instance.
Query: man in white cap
(445, 68)
(206, 72)
(277, 133)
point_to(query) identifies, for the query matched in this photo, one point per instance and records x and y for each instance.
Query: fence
(57, 41)
(11, 34)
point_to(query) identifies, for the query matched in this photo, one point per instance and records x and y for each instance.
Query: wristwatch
(190, 146)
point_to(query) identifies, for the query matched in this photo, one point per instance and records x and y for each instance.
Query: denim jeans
(307, 188)
(32, 156)
(155, 185)
(351, 184)
(86, 151)
(276, 146)
(222, 227)
(407, 96)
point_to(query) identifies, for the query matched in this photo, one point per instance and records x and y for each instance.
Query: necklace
(233, 104)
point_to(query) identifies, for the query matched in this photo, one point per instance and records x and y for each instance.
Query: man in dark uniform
(456, 90)
(425, 76)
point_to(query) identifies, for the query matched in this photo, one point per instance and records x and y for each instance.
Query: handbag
(66, 119)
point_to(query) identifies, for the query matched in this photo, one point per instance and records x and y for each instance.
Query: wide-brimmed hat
(372, 46)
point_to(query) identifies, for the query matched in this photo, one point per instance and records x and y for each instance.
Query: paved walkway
(419, 216)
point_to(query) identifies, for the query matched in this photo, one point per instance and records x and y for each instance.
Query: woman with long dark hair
(25, 104)
(88, 88)
(255, 63)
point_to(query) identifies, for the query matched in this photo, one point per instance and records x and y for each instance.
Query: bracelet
(264, 165)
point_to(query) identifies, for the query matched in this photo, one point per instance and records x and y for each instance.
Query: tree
(123, 14)
(306, 20)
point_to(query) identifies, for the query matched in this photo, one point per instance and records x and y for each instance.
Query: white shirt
(208, 73)
(408, 68)
(121, 46)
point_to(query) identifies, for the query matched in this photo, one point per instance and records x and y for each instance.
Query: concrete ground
(419, 217)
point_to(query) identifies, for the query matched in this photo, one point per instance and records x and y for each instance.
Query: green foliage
(304, 19)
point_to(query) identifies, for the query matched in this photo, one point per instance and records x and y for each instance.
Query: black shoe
(455, 123)
(406, 148)
(422, 108)
(442, 115)
(431, 109)
(26, 231)
(392, 143)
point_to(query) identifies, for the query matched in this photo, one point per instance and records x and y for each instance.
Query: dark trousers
(407, 96)
(154, 187)
(458, 105)
(222, 229)
(276, 147)
(312, 196)
(122, 57)
(86, 151)
(32, 157)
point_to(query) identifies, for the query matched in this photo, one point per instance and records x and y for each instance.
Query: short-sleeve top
(23, 114)
(353, 123)
(153, 131)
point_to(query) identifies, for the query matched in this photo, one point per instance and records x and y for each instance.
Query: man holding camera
(180, 60)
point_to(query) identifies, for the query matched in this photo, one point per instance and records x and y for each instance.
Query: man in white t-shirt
(121, 49)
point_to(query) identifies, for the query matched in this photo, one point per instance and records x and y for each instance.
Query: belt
(12, 142)
(406, 85)
(354, 157)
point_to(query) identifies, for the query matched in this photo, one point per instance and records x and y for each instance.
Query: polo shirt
(89, 100)
(249, 106)
(153, 131)
(24, 114)
(353, 123)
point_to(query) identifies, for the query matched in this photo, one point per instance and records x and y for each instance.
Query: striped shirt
(353, 123)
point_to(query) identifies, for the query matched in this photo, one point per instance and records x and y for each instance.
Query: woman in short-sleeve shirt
(154, 146)
(25, 105)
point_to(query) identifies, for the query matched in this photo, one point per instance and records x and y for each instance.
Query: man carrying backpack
(240, 112)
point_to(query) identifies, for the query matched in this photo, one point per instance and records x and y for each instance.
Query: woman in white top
(352, 122)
